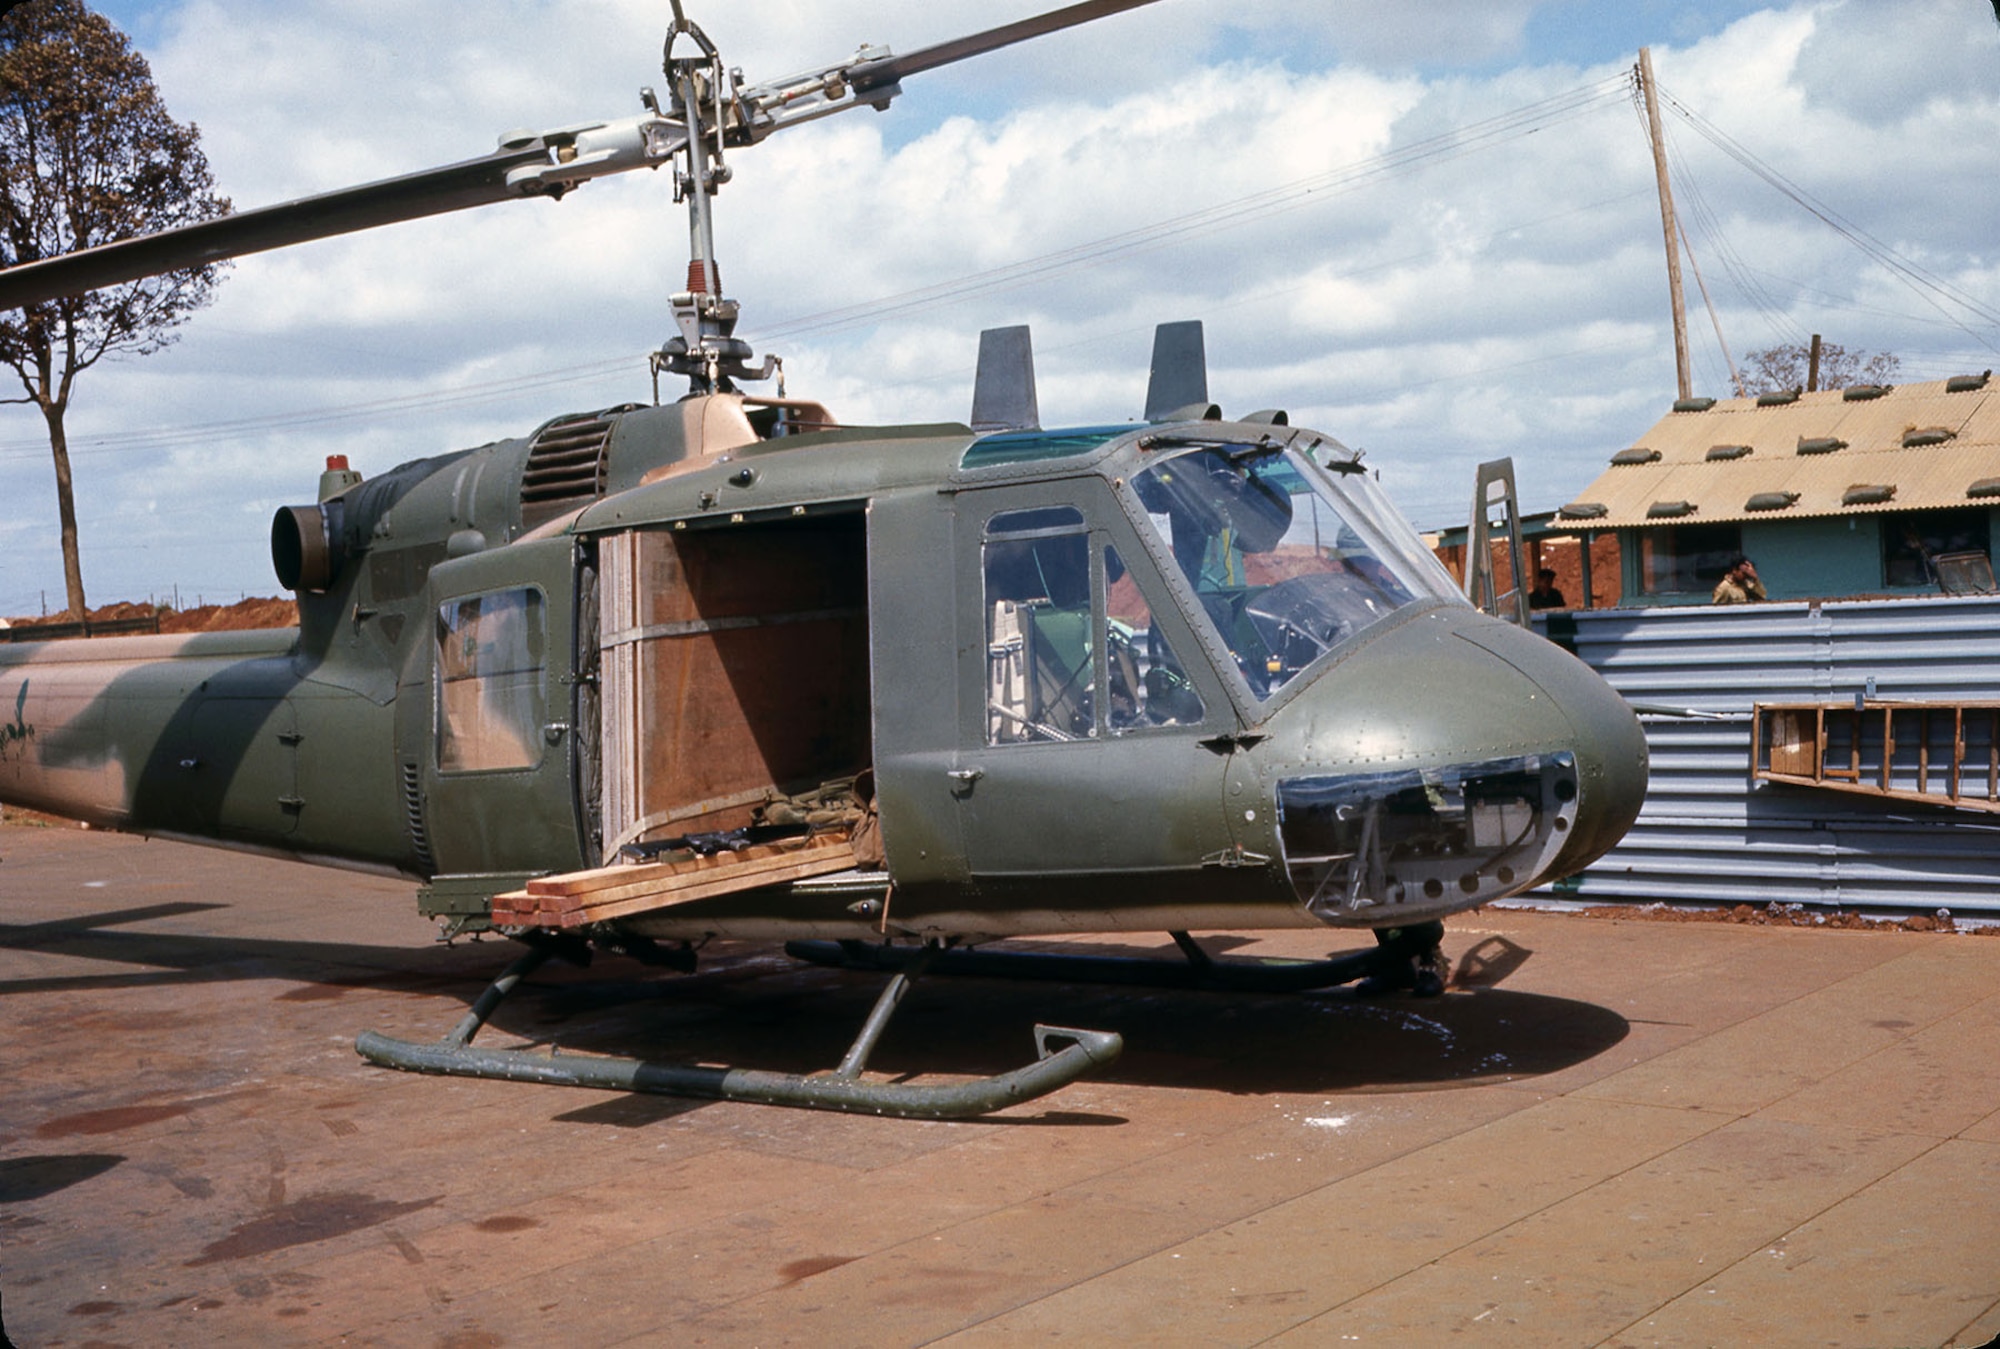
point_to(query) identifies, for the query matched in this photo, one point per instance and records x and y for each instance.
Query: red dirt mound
(240, 617)
(127, 617)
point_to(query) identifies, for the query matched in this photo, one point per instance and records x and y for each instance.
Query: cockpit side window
(1148, 685)
(1284, 568)
(1040, 619)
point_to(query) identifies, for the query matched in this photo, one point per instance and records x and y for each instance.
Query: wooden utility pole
(1667, 223)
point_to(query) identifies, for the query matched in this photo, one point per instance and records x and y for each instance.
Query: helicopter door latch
(964, 777)
(1229, 744)
(1238, 856)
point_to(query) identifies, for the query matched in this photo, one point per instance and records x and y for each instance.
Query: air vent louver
(413, 809)
(565, 465)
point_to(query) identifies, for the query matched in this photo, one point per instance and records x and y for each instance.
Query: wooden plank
(1868, 789)
(1923, 751)
(654, 879)
(1957, 748)
(605, 878)
(1888, 747)
(814, 865)
(518, 908)
(527, 907)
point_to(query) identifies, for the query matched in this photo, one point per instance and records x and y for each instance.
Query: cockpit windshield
(1286, 563)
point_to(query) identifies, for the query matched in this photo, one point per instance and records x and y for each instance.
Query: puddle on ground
(506, 1222)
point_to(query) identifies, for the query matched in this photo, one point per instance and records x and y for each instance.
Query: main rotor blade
(472, 182)
(528, 164)
(891, 69)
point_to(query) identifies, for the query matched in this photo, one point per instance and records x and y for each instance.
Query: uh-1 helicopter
(724, 667)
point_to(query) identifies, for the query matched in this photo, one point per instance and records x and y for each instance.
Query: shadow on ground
(753, 1007)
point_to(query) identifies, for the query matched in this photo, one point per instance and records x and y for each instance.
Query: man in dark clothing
(1545, 595)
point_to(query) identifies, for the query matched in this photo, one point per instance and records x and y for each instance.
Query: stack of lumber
(578, 897)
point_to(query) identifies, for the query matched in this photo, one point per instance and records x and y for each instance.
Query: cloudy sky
(1429, 229)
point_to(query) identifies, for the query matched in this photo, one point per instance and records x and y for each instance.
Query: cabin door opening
(734, 668)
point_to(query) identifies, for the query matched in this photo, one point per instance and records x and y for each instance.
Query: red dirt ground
(244, 615)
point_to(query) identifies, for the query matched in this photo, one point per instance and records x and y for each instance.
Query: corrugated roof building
(1858, 491)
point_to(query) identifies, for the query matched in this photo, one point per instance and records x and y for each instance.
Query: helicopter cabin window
(1286, 564)
(491, 685)
(1040, 665)
(1149, 687)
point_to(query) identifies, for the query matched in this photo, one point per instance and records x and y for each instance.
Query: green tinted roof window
(1027, 447)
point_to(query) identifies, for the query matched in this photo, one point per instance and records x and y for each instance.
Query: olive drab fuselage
(1188, 676)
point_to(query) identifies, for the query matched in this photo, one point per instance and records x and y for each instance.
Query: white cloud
(1497, 296)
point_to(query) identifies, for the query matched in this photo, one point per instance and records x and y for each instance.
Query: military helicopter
(725, 667)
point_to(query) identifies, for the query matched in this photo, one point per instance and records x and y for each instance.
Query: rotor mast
(709, 109)
(707, 351)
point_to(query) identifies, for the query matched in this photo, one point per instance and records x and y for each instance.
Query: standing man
(1545, 595)
(1739, 585)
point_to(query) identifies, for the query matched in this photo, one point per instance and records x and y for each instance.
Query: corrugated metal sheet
(1708, 834)
(1924, 477)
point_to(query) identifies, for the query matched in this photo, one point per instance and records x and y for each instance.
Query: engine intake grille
(565, 465)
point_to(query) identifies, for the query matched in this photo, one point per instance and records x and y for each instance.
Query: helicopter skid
(842, 1089)
(1200, 972)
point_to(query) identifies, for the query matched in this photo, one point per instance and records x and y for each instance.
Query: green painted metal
(324, 743)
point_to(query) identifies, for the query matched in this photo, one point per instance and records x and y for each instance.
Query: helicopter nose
(1454, 760)
(1604, 735)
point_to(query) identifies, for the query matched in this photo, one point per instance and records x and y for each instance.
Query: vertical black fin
(1003, 392)
(1180, 370)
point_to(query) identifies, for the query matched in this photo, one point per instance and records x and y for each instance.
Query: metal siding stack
(1708, 835)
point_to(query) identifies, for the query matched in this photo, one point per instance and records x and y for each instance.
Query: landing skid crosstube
(843, 1089)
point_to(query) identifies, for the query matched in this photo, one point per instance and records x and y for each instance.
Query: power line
(1455, 143)
(1933, 289)
(1257, 206)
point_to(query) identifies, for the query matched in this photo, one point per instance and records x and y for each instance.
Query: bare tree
(88, 155)
(1785, 367)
